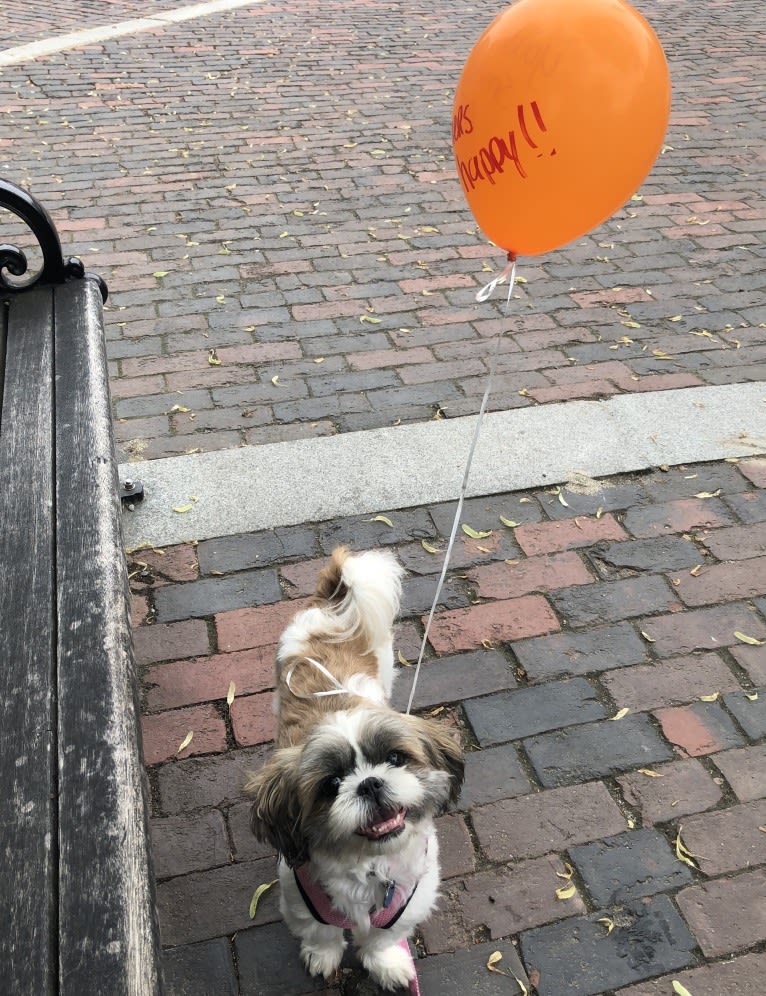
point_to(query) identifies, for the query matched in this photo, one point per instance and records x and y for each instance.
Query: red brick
(726, 915)
(678, 516)
(738, 542)
(663, 382)
(167, 641)
(372, 359)
(511, 899)
(728, 840)
(240, 629)
(134, 387)
(139, 609)
(752, 660)
(568, 392)
(567, 534)
(669, 682)
(547, 821)
(702, 629)
(696, 728)
(204, 679)
(164, 732)
(496, 622)
(253, 719)
(175, 563)
(444, 929)
(509, 580)
(683, 787)
(723, 582)
(302, 577)
(456, 856)
(745, 770)
(260, 352)
(755, 470)
(328, 309)
(740, 977)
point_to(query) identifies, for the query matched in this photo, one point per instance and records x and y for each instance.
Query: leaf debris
(257, 896)
(186, 741)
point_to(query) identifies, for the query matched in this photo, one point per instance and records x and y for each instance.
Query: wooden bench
(77, 912)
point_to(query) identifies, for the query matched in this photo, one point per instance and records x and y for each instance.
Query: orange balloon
(559, 113)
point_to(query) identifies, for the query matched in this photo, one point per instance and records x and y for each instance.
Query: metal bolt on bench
(76, 889)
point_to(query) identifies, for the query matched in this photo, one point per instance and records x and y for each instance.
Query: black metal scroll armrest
(55, 269)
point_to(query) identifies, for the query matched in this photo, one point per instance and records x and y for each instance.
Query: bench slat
(27, 708)
(105, 881)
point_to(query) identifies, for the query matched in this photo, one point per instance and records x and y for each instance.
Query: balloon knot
(511, 257)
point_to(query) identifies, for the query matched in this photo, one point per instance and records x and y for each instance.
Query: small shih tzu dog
(349, 795)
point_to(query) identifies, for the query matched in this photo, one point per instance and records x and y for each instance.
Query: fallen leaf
(493, 959)
(522, 988)
(709, 698)
(609, 924)
(487, 644)
(525, 501)
(695, 570)
(508, 522)
(183, 508)
(679, 989)
(370, 319)
(649, 773)
(749, 640)
(186, 741)
(675, 318)
(631, 325)
(382, 518)
(708, 494)
(599, 511)
(403, 660)
(319, 359)
(230, 693)
(621, 714)
(212, 358)
(257, 896)
(566, 891)
(275, 380)
(563, 500)
(649, 639)
(753, 697)
(475, 533)
(567, 873)
(160, 273)
(428, 548)
(179, 408)
(682, 851)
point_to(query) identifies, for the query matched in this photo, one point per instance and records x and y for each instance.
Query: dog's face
(362, 781)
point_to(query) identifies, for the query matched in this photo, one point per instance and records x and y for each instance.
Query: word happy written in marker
(499, 151)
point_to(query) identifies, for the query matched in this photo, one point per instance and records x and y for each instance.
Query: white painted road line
(93, 36)
(362, 473)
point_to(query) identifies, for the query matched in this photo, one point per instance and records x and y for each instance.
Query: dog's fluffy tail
(361, 594)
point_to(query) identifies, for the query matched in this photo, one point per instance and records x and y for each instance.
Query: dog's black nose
(370, 788)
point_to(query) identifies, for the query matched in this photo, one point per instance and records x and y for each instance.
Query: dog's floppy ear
(276, 812)
(443, 752)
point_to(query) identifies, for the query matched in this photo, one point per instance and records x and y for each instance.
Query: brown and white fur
(353, 786)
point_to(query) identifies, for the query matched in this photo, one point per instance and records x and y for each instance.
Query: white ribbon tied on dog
(338, 689)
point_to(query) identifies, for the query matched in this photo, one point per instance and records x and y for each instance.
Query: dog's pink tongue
(394, 822)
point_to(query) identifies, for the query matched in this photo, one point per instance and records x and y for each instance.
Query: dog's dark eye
(331, 785)
(396, 758)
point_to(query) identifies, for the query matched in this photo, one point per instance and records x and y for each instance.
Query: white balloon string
(339, 689)
(482, 295)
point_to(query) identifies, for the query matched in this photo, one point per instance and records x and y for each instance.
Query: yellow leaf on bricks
(160, 273)
(631, 325)
(403, 660)
(183, 508)
(609, 924)
(475, 533)
(679, 989)
(230, 693)
(708, 494)
(695, 570)
(621, 714)
(567, 873)
(275, 380)
(257, 896)
(186, 741)
(508, 522)
(566, 891)
(428, 548)
(649, 639)
(212, 358)
(382, 518)
(368, 318)
(753, 697)
(649, 773)
(709, 698)
(492, 961)
(749, 640)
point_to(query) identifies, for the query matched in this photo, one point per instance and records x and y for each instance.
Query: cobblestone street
(270, 193)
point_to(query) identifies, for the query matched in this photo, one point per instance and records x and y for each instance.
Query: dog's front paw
(323, 959)
(392, 967)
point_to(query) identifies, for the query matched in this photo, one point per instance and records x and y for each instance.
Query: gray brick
(200, 969)
(236, 553)
(580, 653)
(526, 711)
(418, 595)
(581, 753)
(453, 679)
(666, 553)
(199, 783)
(462, 972)
(484, 513)
(578, 958)
(202, 598)
(628, 866)
(751, 715)
(492, 774)
(613, 600)
(269, 962)
(363, 532)
(749, 506)
(608, 498)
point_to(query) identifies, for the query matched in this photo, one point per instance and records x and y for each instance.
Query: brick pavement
(563, 786)
(275, 183)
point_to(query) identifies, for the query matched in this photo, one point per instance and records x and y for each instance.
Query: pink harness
(320, 907)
